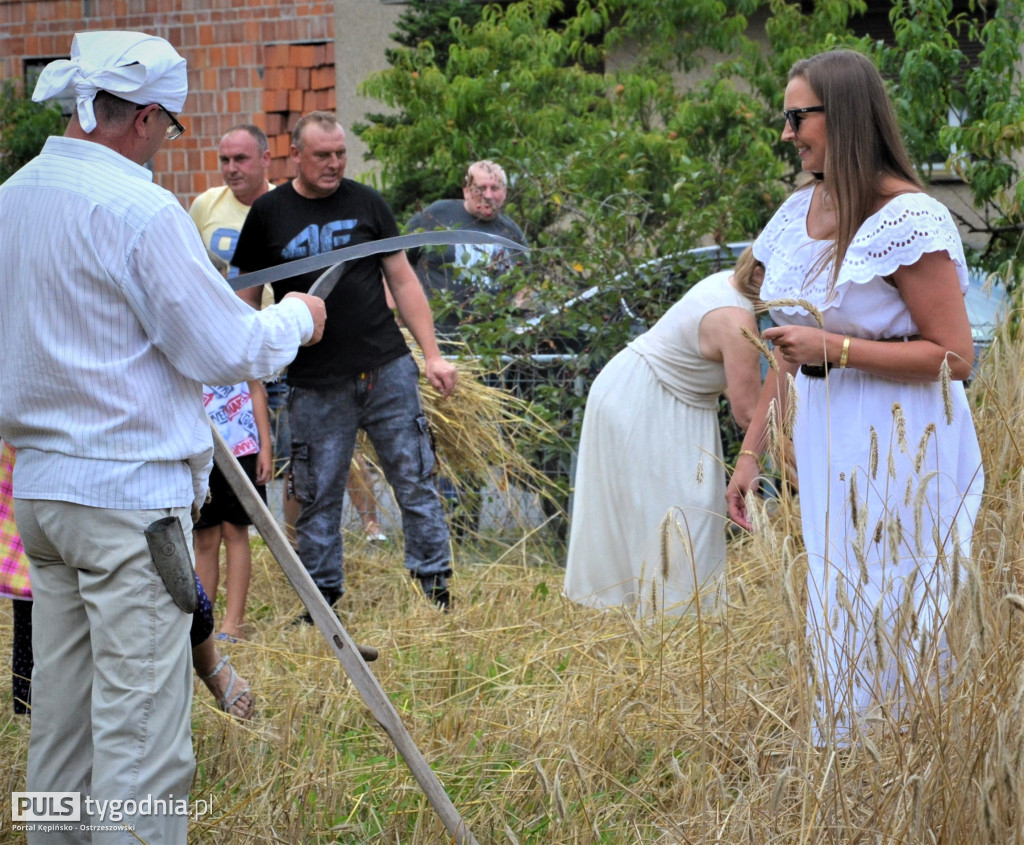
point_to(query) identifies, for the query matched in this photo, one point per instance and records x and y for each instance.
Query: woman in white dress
(648, 519)
(886, 452)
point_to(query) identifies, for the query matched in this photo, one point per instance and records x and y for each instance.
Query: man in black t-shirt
(362, 374)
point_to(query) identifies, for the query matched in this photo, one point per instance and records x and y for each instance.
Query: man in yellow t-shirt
(220, 212)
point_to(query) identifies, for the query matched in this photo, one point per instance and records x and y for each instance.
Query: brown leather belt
(820, 370)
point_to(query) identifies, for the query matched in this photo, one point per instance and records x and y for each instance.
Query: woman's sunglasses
(794, 116)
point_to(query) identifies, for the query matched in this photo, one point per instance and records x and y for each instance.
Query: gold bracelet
(845, 353)
(754, 455)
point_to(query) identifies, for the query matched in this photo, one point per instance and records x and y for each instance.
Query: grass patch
(552, 723)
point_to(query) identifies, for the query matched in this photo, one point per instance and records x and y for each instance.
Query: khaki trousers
(112, 685)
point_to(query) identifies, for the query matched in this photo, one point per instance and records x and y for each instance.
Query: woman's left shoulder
(909, 200)
(904, 210)
(906, 226)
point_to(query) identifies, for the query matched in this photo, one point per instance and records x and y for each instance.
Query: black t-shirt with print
(360, 333)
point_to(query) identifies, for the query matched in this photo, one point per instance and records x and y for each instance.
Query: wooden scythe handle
(345, 649)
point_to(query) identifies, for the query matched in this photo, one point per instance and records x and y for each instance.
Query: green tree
(527, 83)
(614, 163)
(934, 80)
(425, 25)
(617, 161)
(24, 128)
(430, 21)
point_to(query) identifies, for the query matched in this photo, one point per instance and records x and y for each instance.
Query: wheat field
(552, 723)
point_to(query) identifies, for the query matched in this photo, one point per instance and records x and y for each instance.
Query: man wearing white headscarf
(111, 318)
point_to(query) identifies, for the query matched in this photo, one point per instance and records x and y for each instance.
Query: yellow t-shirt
(219, 218)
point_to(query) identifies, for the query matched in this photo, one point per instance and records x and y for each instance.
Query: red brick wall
(298, 78)
(261, 61)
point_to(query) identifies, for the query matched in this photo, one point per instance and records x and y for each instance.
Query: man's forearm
(420, 322)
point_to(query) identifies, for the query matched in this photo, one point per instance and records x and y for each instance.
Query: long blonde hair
(864, 142)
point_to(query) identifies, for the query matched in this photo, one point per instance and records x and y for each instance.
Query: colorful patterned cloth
(14, 581)
(230, 408)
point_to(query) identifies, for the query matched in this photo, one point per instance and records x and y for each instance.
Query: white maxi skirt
(890, 486)
(648, 520)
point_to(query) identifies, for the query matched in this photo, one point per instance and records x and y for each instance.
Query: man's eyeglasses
(174, 128)
(794, 116)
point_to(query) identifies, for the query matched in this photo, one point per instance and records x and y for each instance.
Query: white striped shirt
(111, 319)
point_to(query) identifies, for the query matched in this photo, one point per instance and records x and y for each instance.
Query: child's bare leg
(360, 491)
(236, 579)
(235, 698)
(206, 545)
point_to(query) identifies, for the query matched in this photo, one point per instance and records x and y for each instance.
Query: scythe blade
(441, 237)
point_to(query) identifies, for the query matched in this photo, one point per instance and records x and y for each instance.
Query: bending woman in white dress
(887, 456)
(648, 519)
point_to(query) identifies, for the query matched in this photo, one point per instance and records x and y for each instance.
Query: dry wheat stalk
(515, 677)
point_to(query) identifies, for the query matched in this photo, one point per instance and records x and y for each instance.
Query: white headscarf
(140, 68)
